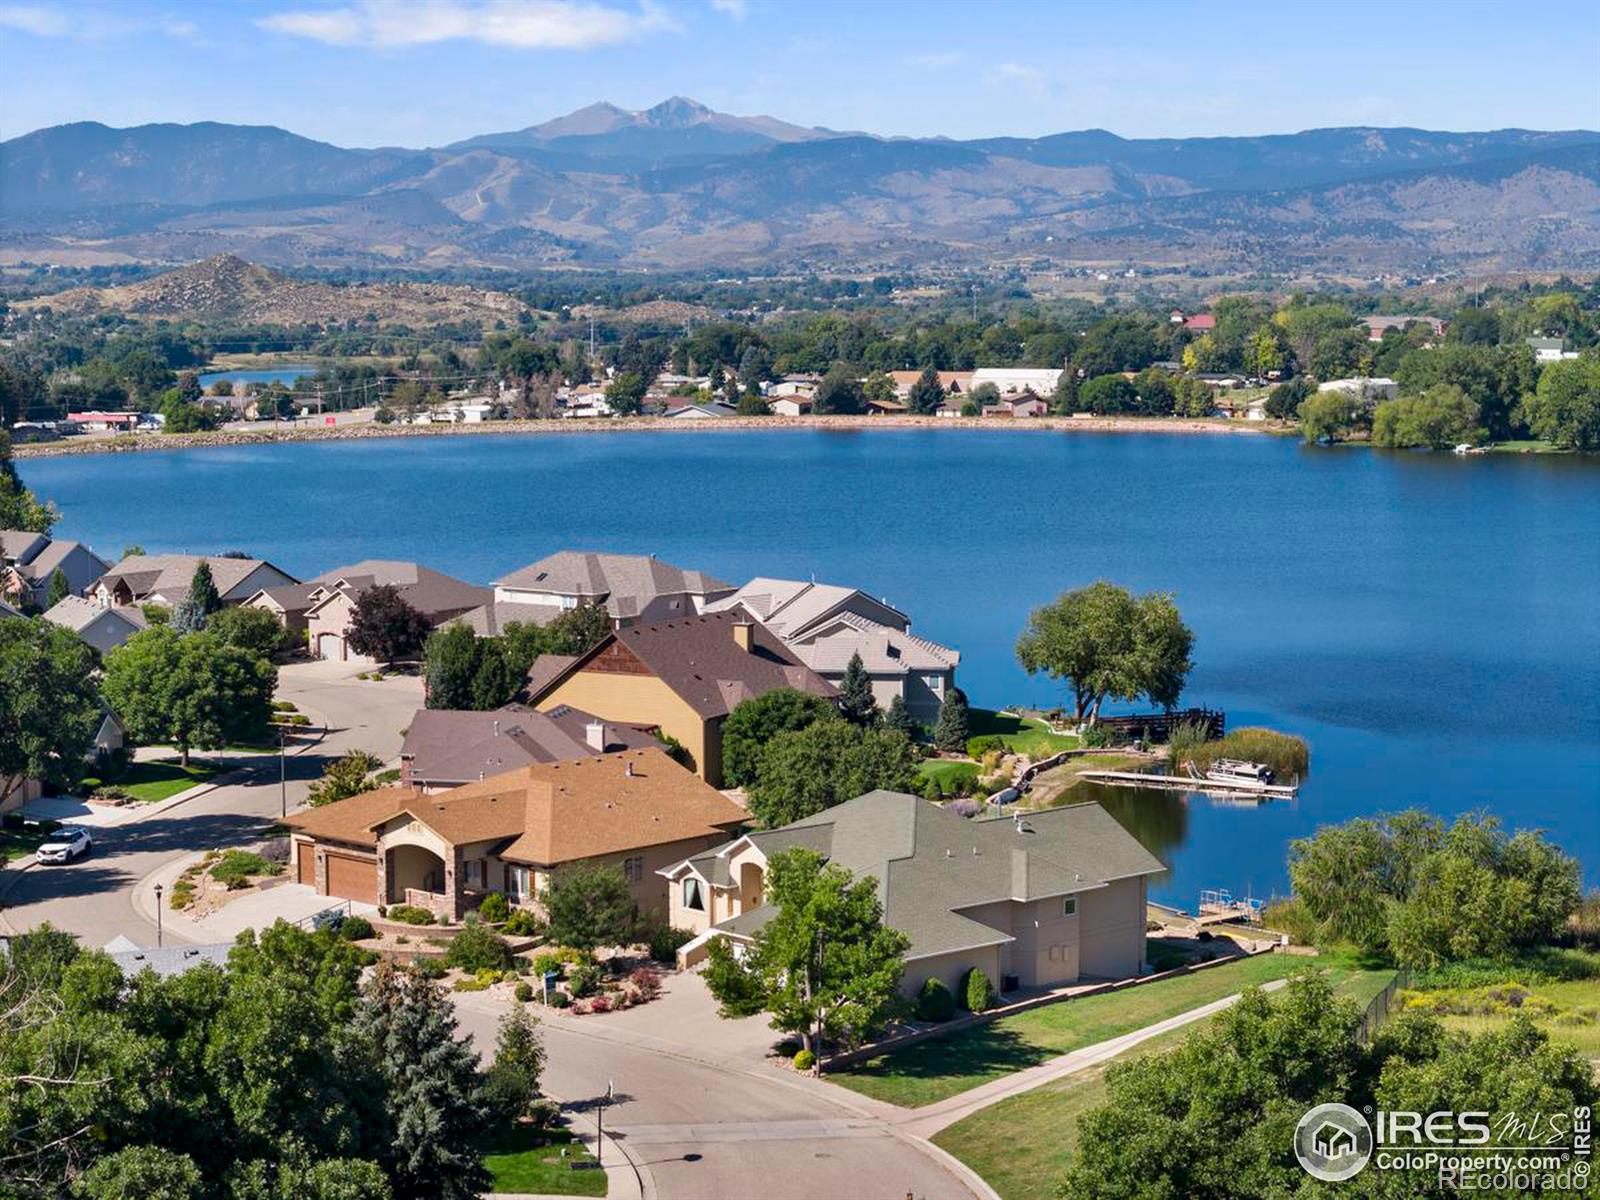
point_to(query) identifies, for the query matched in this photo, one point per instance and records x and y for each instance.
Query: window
(1069, 906)
(691, 895)
(517, 882)
(633, 868)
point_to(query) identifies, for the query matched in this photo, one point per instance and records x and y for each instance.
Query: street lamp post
(283, 776)
(159, 890)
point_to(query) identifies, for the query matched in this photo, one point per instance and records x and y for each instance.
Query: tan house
(164, 579)
(437, 596)
(954, 383)
(790, 406)
(445, 748)
(289, 603)
(631, 587)
(636, 809)
(1048, 898)
(681, 677)
(1024, 404)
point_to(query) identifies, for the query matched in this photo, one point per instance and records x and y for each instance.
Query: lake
(1430, 623)
(285, 375)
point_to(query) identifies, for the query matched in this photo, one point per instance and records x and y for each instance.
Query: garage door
(352, 878)
(306, 863)
(330, 646)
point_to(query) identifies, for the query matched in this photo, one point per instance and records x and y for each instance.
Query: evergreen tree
(926, 395)
(451, 661)
(754, 404)
(899, 718)
(60, 589)
(196, 608)
(435, 1103)
(950, 730)
(856, 701)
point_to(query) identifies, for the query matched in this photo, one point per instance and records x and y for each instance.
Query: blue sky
(427, 72)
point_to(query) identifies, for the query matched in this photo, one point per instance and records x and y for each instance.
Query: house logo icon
(1333, 1142)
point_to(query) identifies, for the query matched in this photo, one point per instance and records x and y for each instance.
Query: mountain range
(679, 185)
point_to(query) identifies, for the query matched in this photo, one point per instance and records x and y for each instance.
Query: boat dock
(1240, 788)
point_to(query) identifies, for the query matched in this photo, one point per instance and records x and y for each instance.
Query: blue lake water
(1431, 624)
(286, 375)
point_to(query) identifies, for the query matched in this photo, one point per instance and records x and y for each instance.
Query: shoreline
(140, 443)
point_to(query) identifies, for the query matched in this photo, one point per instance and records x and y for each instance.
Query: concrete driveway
(701, 1117)
(94, 897)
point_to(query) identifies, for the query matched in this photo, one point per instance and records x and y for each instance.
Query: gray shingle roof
(447, 746)
(432, 593)
(77, 614)
(20, 545)
(491, 619)
(626, 583)
(170, 574)
(51, 556)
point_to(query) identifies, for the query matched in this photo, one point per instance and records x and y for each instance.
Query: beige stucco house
(1051, 898)
(636, 809)
(633, 588)
(681, 677)
(164, 579)
(437, 596)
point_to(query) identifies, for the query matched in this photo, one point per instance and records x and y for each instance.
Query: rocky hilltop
(226, 288)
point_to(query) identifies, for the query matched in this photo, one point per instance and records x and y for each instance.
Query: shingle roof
(77, 614)
(290, 598)
(491, 619)
(931, 864)
(553, 812)
(171, 573)
(884, 651)
(51, 556)
(432, 593)
(789, 606)
(20, 545)
(625, 582)
(447, 746)
(698, 658)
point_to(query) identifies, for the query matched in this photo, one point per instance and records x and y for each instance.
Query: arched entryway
(414, 867)
(752, 880)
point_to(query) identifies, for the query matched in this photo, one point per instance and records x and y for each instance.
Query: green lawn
(529, 1160)
(148, 782)
(946, 770)
(14, 843)
(1026, 735)
(1022, 1145)
(930, 1071)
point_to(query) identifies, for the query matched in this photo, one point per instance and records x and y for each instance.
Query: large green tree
(590, 905)
(191, 691)
(857, 704)
(952, 728)
(824, 966)
(1104, 642)
(807, 770)
(1437, 419)
(20, 508)
(926, 393)
(49, 706)
(1565, 409)
(1331, 416)
(839, 392)
(195, 609)
(755, 722)
(384, 626)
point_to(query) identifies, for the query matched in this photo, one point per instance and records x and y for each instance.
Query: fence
(1158, 727)
(325, 917)
(1377, 1010)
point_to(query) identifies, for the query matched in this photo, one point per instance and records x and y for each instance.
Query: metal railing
(1377, 1010)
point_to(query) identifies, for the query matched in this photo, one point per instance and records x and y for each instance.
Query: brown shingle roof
(447, 746)
(698, 658)
(351, 820)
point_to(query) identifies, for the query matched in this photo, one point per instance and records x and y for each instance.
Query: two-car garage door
(352, 878)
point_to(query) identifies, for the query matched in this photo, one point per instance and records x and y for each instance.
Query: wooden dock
(1183, 783)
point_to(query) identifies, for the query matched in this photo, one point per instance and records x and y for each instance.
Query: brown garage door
(306, 863)
(352, 878)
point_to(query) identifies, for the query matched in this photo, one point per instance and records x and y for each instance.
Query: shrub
(646, 981)
(979, 746)
(429, 968)
(524, 922)
(1289, 916)
(600, 1004)
(664, 941)
(182, 896)
(495, 908)
(584, 979)
(558, 1000)
(1287, 755)
(236, 866)
(977, 992)
(934, 1001)
(548, 961)
(355, 929)
(476, 948)
(523, 992)
(965, 807)
(410, 914)
(470, 984)
(804, 1061)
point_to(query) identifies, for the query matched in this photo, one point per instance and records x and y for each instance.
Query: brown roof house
(28, 560)
(1044, 899)
(681, 677)
(825, 625)
(437, 596)
(164, 579)
(445, 748)
(289, 602)
(636, 809)
(633, 587)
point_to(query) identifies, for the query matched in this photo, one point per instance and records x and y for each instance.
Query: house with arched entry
(445, 851)
(1039, 900)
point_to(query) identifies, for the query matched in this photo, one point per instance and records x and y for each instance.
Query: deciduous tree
(824, 764)
(755, 722)
(1565, 410)
(384, 626)
(590, 905)
(49, 707)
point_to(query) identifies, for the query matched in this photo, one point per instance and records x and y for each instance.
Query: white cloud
(34, 19)
(940, 59)
(524, 25)
(732, 8)
(1031, 80)
(86, 23)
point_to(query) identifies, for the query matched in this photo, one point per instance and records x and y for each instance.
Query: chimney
(744, 634)
(595, 734)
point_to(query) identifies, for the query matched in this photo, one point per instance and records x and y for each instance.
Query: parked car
(67, 843)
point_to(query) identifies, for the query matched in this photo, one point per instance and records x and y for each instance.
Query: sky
(429, 72)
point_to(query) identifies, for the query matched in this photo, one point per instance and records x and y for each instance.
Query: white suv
(67, 843)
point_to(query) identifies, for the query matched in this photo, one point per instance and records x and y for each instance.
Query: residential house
(1011, 381)
(445, 748)
(1378, 326)
(1045, 899)
(632, 587)
(29, 560)
(1025, 404)
(682, 677)
(952, 406)
(103, 628)
(791, 406)
(1549, 349)
(886, 407)
(793, 385)
(164, 579)
(711, 411)
(104, 422)
(824, 625)
(1201, 323)
(289, 603)
(637, 810)
(1363, 388)
(954, 383)
(437, 596)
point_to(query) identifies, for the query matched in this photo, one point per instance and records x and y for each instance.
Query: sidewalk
(925, 1122)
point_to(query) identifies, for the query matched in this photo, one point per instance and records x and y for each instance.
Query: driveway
(94, 897)
(701, 1118)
